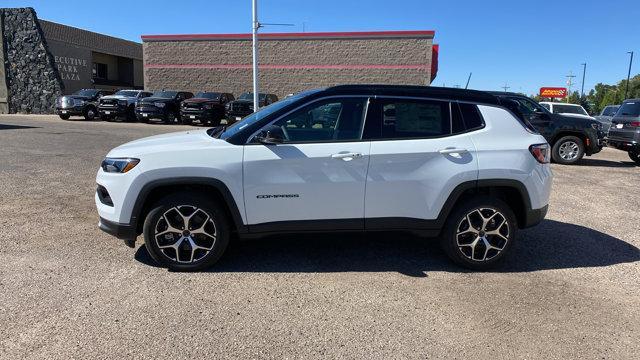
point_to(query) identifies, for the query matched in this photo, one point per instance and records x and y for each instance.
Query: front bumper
(595, 142)
(234, 115)
(151, 113)
(112, 110)
(120, 231)
(74, 111)
(199, 115)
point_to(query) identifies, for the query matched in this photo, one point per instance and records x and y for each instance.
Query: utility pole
(570, 83)
(505, 87)
(584, 71)
(468, 79)
(626, 91)
(254, 36)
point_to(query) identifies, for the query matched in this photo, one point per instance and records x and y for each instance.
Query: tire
(90, 113)
(106, 118)
(170, 118)
(635, 156)
(186, 121)
(195, 208)
(469, 243)
(130, 115)
(64, 117)
(568, 150)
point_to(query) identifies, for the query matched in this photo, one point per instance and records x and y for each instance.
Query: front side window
(128, 93)
(406, 119)
(325, 121)
(165, 94)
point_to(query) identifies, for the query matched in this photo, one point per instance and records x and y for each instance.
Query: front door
(315, 179)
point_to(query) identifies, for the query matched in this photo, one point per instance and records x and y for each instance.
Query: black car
(243, 106)
(120, 104)
(570, 137)
(205, 107)
(625, 129)
(81, 103)
(163, 105)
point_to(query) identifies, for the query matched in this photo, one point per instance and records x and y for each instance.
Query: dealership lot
(570, 288)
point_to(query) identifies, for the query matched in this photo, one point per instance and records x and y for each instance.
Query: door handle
(347, 156)
(453, 151)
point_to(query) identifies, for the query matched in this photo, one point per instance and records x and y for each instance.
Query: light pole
(626, 91)
(255, 26)
(584, 71)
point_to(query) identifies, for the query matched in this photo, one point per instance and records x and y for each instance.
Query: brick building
(288, 62)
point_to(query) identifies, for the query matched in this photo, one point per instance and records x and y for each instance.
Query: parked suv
(120, 104)
(243, 106)
(571, 137)
(606, 115)
(163, 105)
(205, 107)
(433, 161)
(81, 103)
(625, 129)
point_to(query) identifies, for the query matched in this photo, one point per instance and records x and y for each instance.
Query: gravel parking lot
(571, 288)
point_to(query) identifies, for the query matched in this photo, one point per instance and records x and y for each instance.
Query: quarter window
(471, 116)
(406, 119)
(328, 120)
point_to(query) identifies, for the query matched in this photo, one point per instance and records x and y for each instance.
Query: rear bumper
(622, 144)
(534, 217)
(120, 231)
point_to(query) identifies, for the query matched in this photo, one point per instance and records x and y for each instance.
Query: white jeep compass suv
(451, 163)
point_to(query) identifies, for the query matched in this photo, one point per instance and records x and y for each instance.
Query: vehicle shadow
(16, 127)
(606, 163)
(550, 245)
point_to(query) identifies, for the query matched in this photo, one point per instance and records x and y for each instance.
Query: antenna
(468, 79)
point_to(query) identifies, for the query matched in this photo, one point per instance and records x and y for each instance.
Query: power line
(506, 87)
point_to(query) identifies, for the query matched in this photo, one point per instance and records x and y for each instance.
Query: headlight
(251, 107)
(78, 102)
(227, 106)
(596, 126)
(159, 104)
(118, 165)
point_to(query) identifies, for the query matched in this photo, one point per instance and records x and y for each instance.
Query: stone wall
(287, 65)
(32, 80)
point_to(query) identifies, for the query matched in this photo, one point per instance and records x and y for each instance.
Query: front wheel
(635, 156)
(186, 232)
(170, 118)
(479, 233)
(568, 150)
(64, 117)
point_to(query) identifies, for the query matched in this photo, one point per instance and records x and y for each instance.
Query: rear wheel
(90, 113)
(568, 150)
(186, 232)
(635, 156)
(479, 233)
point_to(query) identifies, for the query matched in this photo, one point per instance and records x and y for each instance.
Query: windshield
(128, 93)
(568, 109)
(609, 110)
(207, 95)
(165, 94)
(249, 96)
(86, 92)
(630, 109)
(262, 113)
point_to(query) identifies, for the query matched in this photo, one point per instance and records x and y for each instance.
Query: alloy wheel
(185, 234)
(482, 234)
(569, 150)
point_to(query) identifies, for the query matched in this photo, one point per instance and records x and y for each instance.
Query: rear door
(418, 156)
(316, 178)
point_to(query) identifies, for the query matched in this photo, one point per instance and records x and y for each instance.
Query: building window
(99, 71)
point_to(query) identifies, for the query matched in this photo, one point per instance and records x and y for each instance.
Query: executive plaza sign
(553, 92)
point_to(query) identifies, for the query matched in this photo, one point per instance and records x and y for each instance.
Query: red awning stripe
(290, 66)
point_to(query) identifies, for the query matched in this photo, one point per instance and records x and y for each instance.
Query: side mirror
(272, 135)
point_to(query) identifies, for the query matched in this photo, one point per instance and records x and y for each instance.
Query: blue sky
(525, 44)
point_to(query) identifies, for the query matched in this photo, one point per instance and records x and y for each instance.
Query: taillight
(541, 152)
(634, 124)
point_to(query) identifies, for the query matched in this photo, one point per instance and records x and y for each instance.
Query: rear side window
(408, 119)
(471, 116)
